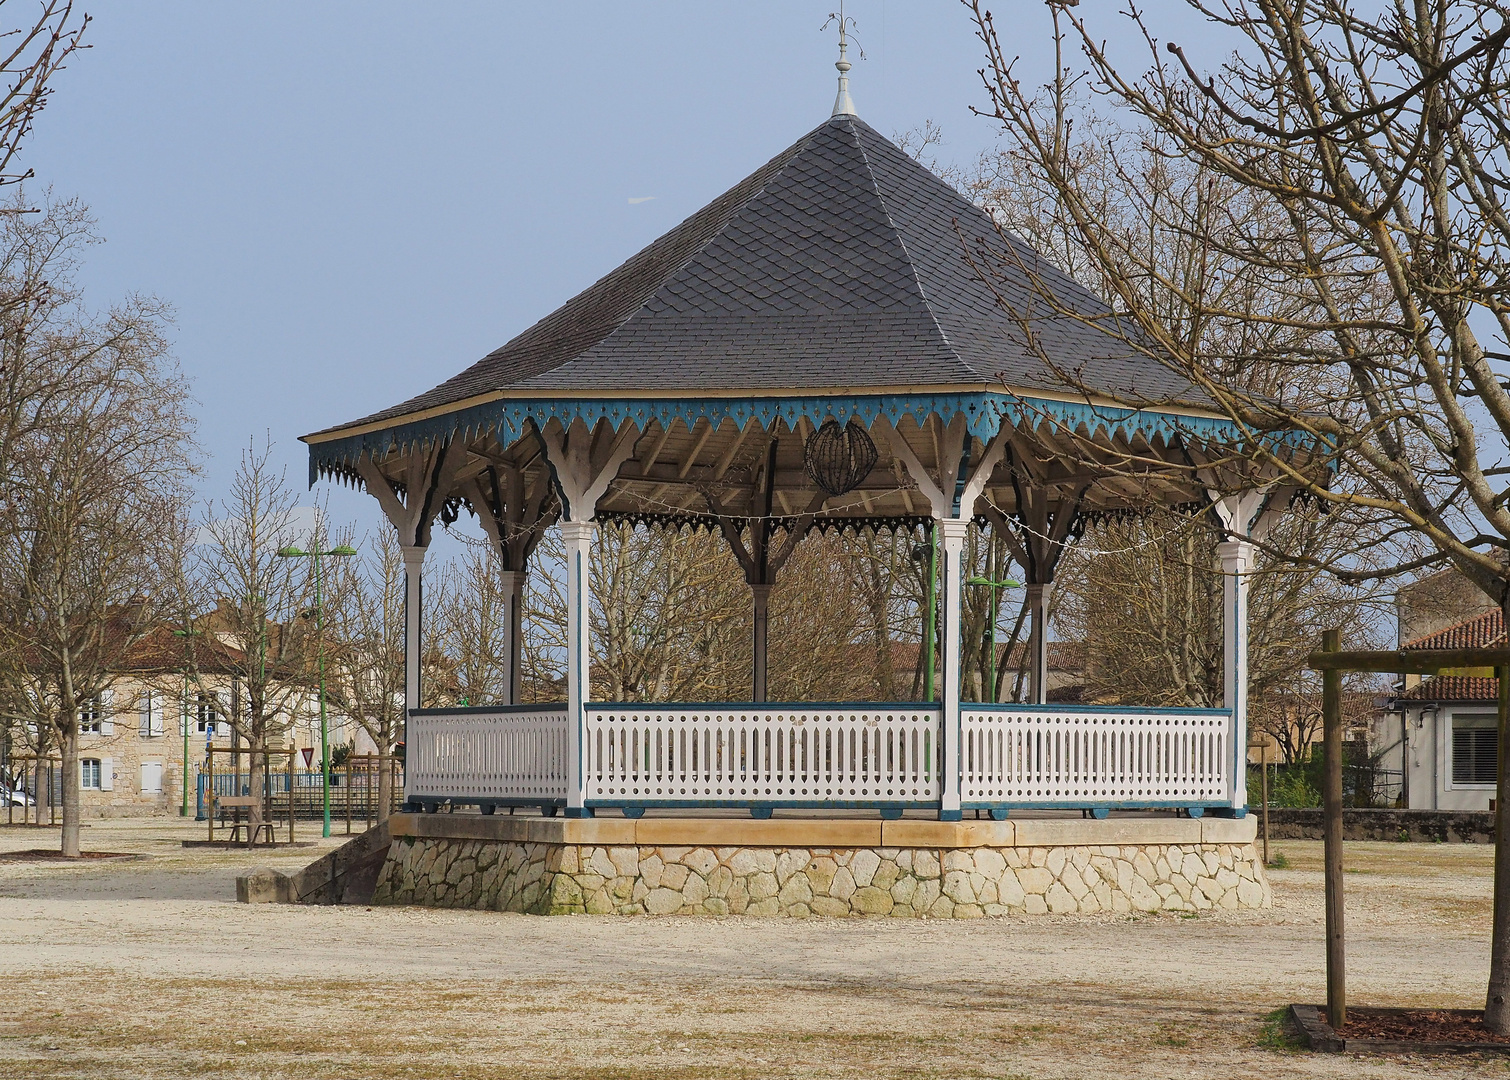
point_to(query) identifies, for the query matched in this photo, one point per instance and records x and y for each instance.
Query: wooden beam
(697, 448)
(727, 458)
(655, 449)
(1400, 661)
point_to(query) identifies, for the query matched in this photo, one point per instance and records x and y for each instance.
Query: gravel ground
(147, 968)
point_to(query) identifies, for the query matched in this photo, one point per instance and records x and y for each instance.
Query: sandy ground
(148, 968)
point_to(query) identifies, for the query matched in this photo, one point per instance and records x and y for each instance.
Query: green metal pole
(993, 641)
(324, 733)
(932, 627)
(183, 811)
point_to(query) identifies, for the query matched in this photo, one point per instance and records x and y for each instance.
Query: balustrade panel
(1078, 756)
(507, 753)
(794, 754)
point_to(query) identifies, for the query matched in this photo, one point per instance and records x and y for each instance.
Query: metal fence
(354, 792)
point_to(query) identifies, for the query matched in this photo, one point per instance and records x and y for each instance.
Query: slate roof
(1479, 632)
(840, 264)
(1453, 688)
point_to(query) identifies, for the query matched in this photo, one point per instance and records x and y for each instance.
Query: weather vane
(844, 105)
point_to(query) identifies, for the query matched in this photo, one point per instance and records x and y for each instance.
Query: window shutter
(155, 715)
(144, 714)
(152, 778)
(107, 715)
(223, 712)
(107, 778)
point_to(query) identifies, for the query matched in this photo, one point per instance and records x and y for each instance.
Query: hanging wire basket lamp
(838, 459)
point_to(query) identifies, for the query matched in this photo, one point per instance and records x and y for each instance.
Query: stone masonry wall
(959, 883)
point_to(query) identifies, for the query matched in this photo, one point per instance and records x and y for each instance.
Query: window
(207, 712)
(89, 774)
(1475, 749)
(152, 778)
(150, 710)
(92, 716)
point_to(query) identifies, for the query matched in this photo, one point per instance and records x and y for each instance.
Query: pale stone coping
(829, 832)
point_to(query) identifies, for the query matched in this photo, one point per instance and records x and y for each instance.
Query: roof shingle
(1479, 632)
(841, 263)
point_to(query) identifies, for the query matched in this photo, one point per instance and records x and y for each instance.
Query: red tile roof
(1454, 688)
(1479, 632)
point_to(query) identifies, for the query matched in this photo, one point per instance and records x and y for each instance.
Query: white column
(762, 604)
(414, 560)
(1237, 558)
(952, 532)
(1038, 643)
(578, 537)
(513, 632)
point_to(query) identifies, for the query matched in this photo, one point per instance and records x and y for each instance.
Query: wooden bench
(236, 804)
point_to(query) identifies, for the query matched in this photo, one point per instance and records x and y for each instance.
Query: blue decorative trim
(508, 419)
(786, 706)
(757, 808)
(1155, 710)
(477, 710)
(1081, 804)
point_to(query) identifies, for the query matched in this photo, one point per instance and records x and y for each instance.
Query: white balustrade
(1048, 755)
(825, 755)
(506, 753)
(808, 755)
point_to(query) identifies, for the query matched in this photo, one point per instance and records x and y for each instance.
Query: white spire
(844, 105)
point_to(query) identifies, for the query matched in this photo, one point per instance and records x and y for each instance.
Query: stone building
(142, 742)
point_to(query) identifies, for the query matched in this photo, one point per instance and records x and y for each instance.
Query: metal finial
(844, 105)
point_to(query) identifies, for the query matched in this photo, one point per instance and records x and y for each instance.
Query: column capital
(953, 530)
(414, 554)
(1237, 555)
(578, 532)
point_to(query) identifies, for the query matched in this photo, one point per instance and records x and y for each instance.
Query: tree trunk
(256, 767)
(69, 744)
(385, 787)
(1497, 1005)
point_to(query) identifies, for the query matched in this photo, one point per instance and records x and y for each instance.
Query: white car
(14, 796)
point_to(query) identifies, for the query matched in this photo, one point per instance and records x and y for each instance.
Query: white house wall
(1430, 777)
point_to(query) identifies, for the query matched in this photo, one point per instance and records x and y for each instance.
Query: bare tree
(364, 659)
(1145, 594)
(32, 54)
(1346, 166)
(253, 604)
(94, 515)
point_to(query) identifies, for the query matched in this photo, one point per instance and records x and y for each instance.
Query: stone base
(910, 869)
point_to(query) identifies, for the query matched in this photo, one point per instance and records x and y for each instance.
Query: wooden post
(347, 789)
(1497, 1005)
(209, 790)
(291, 753)
(1336, 951)
(1263, 773)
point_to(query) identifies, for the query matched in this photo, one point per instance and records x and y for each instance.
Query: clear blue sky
(348, 202)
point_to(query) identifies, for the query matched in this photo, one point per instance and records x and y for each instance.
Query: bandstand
(840, 338)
